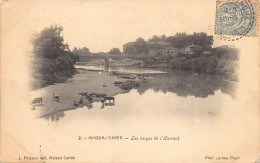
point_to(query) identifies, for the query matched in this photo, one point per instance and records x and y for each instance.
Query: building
(154, 52)
(166, 51)
(170, 51)
(192, 49)
(163, 44)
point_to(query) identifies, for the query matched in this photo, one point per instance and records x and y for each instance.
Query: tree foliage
(156, 38)
(53, 59)
(81, 51)
(179, 40)
(49, 43)
(115, 51)
(129, 50)
(140, 46)
(182, 40)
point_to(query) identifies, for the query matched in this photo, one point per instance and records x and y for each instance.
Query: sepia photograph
(130, 81)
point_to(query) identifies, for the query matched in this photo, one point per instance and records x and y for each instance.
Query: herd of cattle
(87, 95)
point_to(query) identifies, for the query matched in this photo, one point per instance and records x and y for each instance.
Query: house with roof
(193, 49)
(162, 48)
(170, 51)
(163, 43)
(165, 51)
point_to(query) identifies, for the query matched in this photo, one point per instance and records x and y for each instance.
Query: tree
(155, 38)
(49, 43)
(83, 51)
(182, 40)
(53, 60)
(162, 38)
(75, 51)
(115, 51)
(129, 50)
(140, 46)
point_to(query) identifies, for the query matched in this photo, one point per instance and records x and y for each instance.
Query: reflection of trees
(184, 83)
(55, 117)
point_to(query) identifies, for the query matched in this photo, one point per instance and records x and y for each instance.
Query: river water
(167, 93)
(193, 107)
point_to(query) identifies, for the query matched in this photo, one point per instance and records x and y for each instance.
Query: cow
(75, 103)
(109, 99)
(56, 97)
(80, 101)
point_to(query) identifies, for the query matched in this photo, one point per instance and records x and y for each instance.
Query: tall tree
(53, 60)
(140, 46)
(49, 43)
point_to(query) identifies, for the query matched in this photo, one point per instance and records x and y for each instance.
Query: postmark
(236, 18)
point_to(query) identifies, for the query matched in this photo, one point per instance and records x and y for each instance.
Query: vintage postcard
(130, 81)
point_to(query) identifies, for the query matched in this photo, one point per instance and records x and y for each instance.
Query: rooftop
(171, 48)
(193, 46)
(164, 43)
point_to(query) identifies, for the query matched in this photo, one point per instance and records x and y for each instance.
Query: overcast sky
(102, 25)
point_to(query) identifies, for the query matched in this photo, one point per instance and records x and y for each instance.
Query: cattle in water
(80, 101)
(109, 101)
(37, 101)
(56, 97)
(75, 103)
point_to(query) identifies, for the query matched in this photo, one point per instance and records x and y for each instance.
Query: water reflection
(175, 88)
(84, 103)
(87, 101)
(184, 83)
(108, 101)
(55, 117)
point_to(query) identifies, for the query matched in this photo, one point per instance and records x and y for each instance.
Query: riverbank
(226, 68)
(84, 81)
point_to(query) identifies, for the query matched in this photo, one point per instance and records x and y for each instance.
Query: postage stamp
(236, 17)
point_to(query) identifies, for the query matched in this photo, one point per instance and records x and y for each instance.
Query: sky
(105, 24)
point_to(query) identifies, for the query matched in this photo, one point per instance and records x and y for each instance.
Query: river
(169, 93)
(194, 107)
